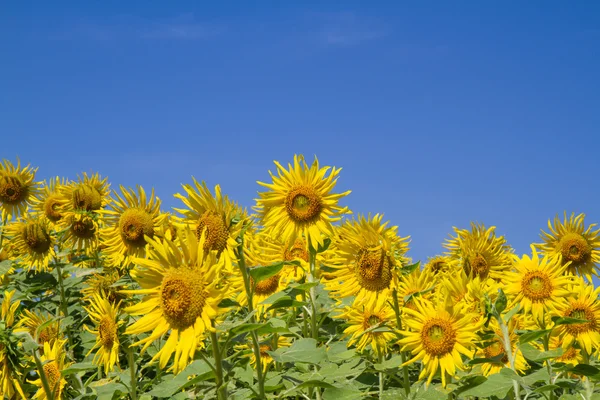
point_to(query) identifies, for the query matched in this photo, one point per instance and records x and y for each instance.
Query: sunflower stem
(132, 374)
(63, 301)
(508, 350)
(313, 295)
(221, 386)
(402, 353)
(42, 374)
(381, 377)
(546, 342)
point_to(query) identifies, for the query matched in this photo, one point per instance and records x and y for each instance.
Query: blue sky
(440, 113)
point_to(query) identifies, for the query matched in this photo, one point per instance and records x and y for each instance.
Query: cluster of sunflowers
(298, 299)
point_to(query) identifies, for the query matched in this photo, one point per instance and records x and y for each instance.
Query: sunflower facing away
(537, 285)
(9, 384)
(104, 314)
(53, 360)
(129, 219)
(367, 256)
(300, 203)
(361, 317)
(17, 188)
(33, 241)
(103, 285)
(438, 338)
(89, 193)
(182, 292)
(49, 202)
(578, 246)
(43, 327)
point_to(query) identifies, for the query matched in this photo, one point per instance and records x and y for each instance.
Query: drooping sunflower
(32, 240)
(9, 383)
(49, 201)
(53, 360)
(438, 338)
(105, 316)
(17, 188)
(576, 245)
(582, 303)
(479, 251)
(128, 220)
(103, 284)
(363, 316)
(300, 203)
(496, 349)
(182, 291)
(368, 255)
(80, 232)
(418, 283)
(89, 193)
(216, 215)
(43, 327)
(537, 285)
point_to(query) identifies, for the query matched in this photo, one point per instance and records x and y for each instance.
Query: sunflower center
(52, 207)
(373, 270)
(182, 297)
(479, 265)
(438, 337)
(536, 286)
(297, 251)
(12, 190)
(87, 198)
(53, 376)
(48, 334)
(372, 320)
(263, 350)
(134, 224)
(303, 204)
(267, 286)
(581, 312)
(83, 228)
(36, 238)
(438, 266)
(107, 331)
(494, 350)
(568, 355)
(575, 248)
(216, 231)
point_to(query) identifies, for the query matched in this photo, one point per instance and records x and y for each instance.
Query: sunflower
(43, 327)
(129, 219)
(169, 227)
(4, 256)
(364, 316)
(582, 303)
(368, 255)
(103, 284)
(438, 338)
(571, 355)
(9, 383)
(182, 289)
(265, 347)
(418, 283)
(214, 215)
(49, 201)
(32, 240)
(496, 349)
(105, 315)
(537, 285)
(17, 188)
(89, 193)
(300, 203)
(479, 252)
(53, 360)
(80, 232)
(577, 246)
(438, 266)
(463, 291)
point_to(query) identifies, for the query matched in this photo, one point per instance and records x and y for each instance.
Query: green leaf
(261, 273)
(305, 287)
(342, 393)
(275, 325)
(172, 384)
(541, 375)
(546, 388)
(324, 246)
(584, 369)
(5, 266)
(500, 304)
(244, 328)
(533, 354)
(245, 375)
(226, 303)
(302, 350)
(393, 363)
(512, 312)
(533, 335)
(493, 360)
(285, 302)
(496, 385)
(409, 269)
(568, 321)
(78, 367)
(431, 394)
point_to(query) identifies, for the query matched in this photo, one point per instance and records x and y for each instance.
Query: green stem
(508, 350)
(589, 388)
(221, 386)
(2, 230)
(402, 353)
(63, 300)
(546, 342)
(312, 277)
(132, 374)
(42, 374)
(381, 377)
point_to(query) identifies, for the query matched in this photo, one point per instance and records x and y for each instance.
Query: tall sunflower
(438, 338)
(363, 316)
(577, 246)
(49, 201)
(32, 240)
(582, 303)
(53, 360)
(214, 215)
(80, 232)
(104, 315)
(43, 327)
(89, 193)
(17, 188)
(479, 252)
(103, 284)
(418, 283)
(128, 220)
(182, 291)
(300, 203)
(367, 256)
(537, 285)
(9, 363)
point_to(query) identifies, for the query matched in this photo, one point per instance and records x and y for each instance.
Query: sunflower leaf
(533, 335)
(533, 354)
(265, 272)
(409, 269)
(568, 321)
(5, 266)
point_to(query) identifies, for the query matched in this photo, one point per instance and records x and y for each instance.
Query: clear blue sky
(439, 112)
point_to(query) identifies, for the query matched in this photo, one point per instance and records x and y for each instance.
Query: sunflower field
(105, 295)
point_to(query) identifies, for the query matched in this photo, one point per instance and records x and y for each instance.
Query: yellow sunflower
(80, 232)
(537, 285)
(577, 246)
(438, 266)
(363, 316)
(571, 355)
(9, 382)
(105, 316)
(43, 327)
(438, 338)
(582, 303)
(4, 256)
(17, 188)
(49, 202)
(89, 193)
(419, 283)
(213, 215)
(497, 349)
(300, 203)
(182, 292)
(265, 346)
(32, 240)
(103, 284)
(53, 360)
(479, 252)
(129, 219)
(368, 255)
(463, 291)
(169, 227)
